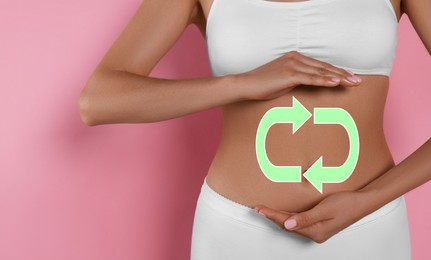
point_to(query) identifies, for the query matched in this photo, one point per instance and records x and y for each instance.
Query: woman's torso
(235, 172)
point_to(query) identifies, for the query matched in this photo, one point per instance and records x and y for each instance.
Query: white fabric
(358, 35)
(226, 230)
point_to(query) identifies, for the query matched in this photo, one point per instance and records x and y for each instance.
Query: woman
(265, 54)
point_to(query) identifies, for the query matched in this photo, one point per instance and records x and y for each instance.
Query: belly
(236, 174)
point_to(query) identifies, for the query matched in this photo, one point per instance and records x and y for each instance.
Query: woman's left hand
(332, 214)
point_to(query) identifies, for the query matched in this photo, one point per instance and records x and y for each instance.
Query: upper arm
(419, 12)
(151, 32)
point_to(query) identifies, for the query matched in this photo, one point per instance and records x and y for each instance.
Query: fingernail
(354, 79)
(335, 80)
(261, 213)
(358, 78)
(290, 223)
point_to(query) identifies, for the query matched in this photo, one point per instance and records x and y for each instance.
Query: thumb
(304, 219)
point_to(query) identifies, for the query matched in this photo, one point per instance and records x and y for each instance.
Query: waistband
(248, 216)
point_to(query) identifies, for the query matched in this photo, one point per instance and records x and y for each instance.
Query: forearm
(412, 172)
(122, 97)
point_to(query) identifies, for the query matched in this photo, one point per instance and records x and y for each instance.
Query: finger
(348, 77)
(306, 218)
(314, 80)
(327, 74)
(276, 216)
(321, 64)
(345, 80)
(288, 212)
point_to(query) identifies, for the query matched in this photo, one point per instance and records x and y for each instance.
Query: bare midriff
(235, 172)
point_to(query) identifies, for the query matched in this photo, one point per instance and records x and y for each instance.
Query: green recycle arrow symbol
(297, 115)
(316, 174)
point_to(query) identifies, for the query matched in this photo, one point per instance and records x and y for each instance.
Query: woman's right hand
(284, 73)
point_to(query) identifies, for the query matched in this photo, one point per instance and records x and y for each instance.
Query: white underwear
(226, 230)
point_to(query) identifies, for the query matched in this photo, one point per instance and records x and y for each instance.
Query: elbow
(86, 112)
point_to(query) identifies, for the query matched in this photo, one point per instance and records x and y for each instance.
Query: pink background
(128, 191)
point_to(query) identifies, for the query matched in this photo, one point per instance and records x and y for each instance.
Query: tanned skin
(121, 91)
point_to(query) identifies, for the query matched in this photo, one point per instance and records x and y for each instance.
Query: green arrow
(297, 115)
(317, 174)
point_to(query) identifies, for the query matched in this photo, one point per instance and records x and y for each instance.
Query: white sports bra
(357, 35)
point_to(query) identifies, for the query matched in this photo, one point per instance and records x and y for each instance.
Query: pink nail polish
(351, 73)
(261, 213)
(290, 223)
(353, 79)
(358, 79)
